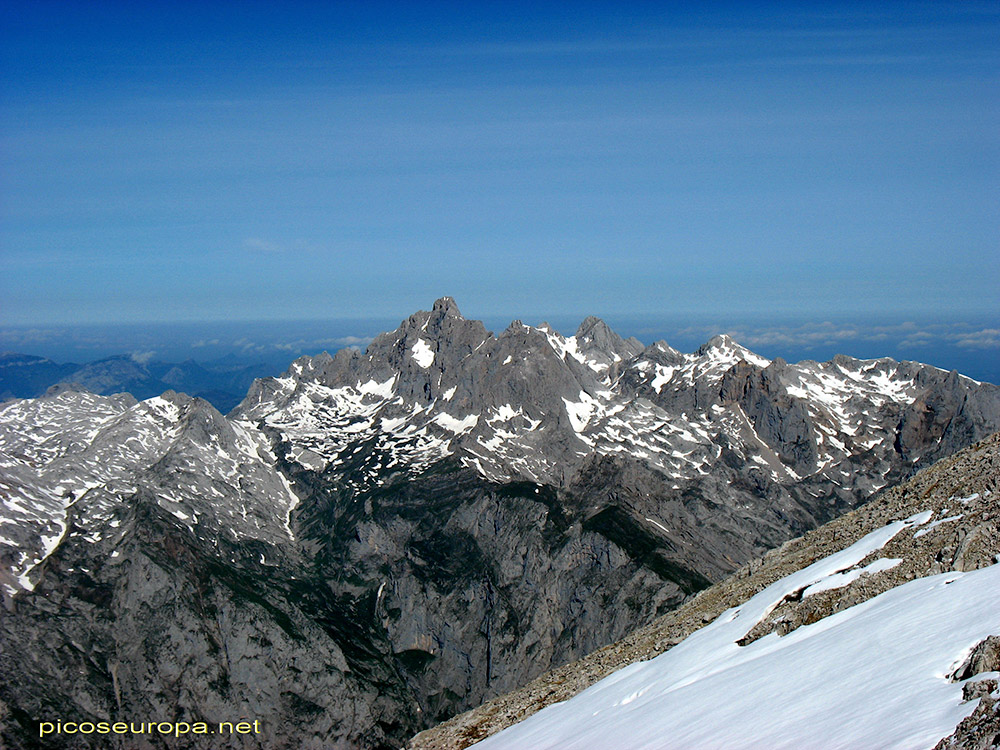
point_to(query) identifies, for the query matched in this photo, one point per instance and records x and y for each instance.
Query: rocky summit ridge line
(373, 542)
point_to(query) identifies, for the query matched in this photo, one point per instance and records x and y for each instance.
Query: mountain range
(373, 542)
(223, 382)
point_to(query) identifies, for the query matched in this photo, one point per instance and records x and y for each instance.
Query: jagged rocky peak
(431, 341)
(443, 310)
(193, 414)
(431, 351)
(446, 306)
(719, 341)
(595, 331)
(660, 352)
(595, 335)
(723, 345)
(531, 338)
(778, 364)
(844, 361)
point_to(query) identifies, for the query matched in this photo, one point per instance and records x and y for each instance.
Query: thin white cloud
(904, 335)
(265, 246)
(987, 338)
(29, 335)
(325, 343)
(278, 247)
(354, 340)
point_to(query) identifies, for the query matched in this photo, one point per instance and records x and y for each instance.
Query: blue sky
(265, 161)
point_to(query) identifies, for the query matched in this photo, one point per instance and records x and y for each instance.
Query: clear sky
(237, 161)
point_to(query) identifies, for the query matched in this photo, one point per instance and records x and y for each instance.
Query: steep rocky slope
(953, 512)
(373, 542)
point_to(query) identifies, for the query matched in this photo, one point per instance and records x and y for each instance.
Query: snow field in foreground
(873, 675)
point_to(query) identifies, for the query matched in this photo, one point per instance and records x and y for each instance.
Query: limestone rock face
(936, 512)
(373, 542)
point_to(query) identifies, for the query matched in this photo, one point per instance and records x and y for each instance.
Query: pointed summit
(599, 333)
(443, 311)
(447, 306)
(722, 341)
(424, 345)
(594, 333)
(724, 347)
(589, 324)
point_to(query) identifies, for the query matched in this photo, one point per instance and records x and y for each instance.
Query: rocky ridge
(955, 507)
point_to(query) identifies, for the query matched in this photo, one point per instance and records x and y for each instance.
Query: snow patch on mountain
(455, 424)
(663, 376)
(422, 354)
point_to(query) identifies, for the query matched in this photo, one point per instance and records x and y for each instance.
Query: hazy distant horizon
(970, 345)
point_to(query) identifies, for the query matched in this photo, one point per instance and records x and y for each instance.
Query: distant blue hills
(222, 382)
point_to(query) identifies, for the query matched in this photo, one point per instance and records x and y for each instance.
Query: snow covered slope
(872, 631)
(874, 674)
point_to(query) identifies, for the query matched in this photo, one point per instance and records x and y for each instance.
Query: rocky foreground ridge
(951, 515)
(374, 542)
